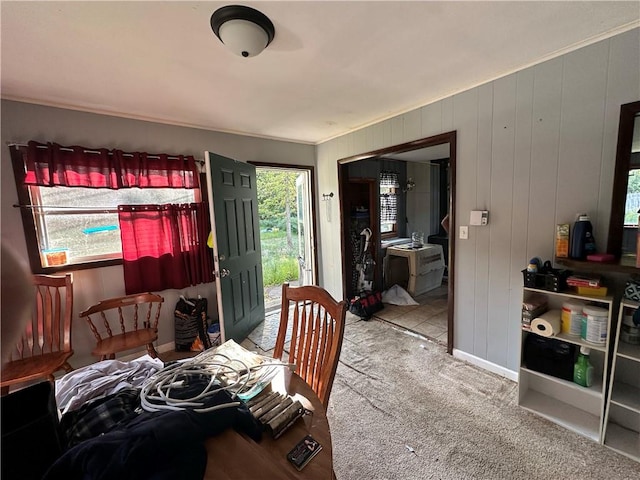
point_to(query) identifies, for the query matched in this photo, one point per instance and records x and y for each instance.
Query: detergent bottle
(582, 241)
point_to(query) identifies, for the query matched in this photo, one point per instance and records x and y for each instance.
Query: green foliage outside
(633, 198)
(278, 229)
(279, 262)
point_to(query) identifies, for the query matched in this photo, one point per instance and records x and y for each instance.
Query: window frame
(394, 230)
(391, 190)
(30, 229)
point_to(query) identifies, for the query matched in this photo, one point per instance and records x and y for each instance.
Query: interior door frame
(312, 196)
(448, 137)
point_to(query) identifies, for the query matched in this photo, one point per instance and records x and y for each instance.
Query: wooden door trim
(447, 137)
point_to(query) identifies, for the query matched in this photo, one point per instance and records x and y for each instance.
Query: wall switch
(464, 232)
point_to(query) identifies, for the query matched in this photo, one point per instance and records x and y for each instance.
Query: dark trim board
(448, 137)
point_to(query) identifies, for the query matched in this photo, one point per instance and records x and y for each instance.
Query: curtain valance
(51, 164)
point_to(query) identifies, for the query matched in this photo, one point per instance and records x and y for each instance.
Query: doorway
(287, 229)
(422, 170)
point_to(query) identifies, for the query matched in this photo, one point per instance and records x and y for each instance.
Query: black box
(31, 436)
(551, 279)
(550, 356)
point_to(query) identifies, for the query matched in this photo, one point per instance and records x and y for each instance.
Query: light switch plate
(464, 232)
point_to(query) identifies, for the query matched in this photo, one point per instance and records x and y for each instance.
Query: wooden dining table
(234, 456)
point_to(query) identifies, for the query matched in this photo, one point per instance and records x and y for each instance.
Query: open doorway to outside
(287, 240)
(287, 228)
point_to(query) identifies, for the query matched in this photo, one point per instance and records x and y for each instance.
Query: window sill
(70, 267)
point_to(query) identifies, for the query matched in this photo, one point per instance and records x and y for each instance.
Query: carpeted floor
(401, 409)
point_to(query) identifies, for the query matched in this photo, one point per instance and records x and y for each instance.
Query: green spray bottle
(583, 370)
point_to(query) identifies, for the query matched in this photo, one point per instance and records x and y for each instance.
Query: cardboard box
(562, 240)
(592, 291)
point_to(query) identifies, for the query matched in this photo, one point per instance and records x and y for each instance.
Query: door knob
(224, 273)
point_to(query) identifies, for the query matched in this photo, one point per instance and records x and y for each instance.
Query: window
(81, 224)
(69, 198)
(632, 204)
(389, 204)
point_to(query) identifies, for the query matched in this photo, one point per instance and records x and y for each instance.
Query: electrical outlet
(464, 232)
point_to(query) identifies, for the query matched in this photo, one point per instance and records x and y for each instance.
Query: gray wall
(22, 122)
(534, 148)
(420, 199)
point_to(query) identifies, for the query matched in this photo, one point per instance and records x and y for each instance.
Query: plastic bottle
(582, 241)
(583, 370)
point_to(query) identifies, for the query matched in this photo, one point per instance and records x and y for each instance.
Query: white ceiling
(333, 67)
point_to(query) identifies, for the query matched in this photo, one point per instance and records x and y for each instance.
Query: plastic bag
(397, 295)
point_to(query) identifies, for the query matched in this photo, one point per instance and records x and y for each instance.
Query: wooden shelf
(594, 390)
(623, 440)
(564, 402)
(571, 294)
(569, 416)
(622, 413)
(629, 350)
(572, 339)
(625, 265)
(579, 341)
(626, 396)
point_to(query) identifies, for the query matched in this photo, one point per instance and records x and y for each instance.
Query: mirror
(625, 201)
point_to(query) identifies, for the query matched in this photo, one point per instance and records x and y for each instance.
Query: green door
(236, 245)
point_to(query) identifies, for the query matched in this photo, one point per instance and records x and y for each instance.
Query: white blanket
(397, 295)
(101, 379)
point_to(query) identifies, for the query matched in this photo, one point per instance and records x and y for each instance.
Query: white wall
(22, 122)
(418, 215)
(534, 148)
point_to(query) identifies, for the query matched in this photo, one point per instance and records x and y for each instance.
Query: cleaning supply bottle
(583, 370)
(582, 241)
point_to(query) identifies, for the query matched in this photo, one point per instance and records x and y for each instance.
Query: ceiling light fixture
(244, 30)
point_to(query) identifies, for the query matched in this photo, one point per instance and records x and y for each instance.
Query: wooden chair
(317, 332)
(131, 318)
(45, 346)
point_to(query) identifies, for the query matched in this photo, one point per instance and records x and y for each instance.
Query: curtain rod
(86, 150)
(63, 208)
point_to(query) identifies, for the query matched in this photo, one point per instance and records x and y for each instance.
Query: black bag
(190, 323)
(366, 304)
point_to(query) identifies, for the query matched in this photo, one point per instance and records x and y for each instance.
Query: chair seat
(125, 341)
(31, 368)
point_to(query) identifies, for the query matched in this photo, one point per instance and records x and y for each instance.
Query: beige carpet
(401, 408)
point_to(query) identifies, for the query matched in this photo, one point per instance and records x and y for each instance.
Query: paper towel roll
(547, 324)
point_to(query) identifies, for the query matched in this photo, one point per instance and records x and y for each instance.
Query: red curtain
(165, 246)
(50, 164)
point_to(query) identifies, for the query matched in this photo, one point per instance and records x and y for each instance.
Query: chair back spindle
(317, 330)
(45, 344)
(122, 314)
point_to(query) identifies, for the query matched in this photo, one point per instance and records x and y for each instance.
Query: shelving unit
(622, 419)
(563, 402)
